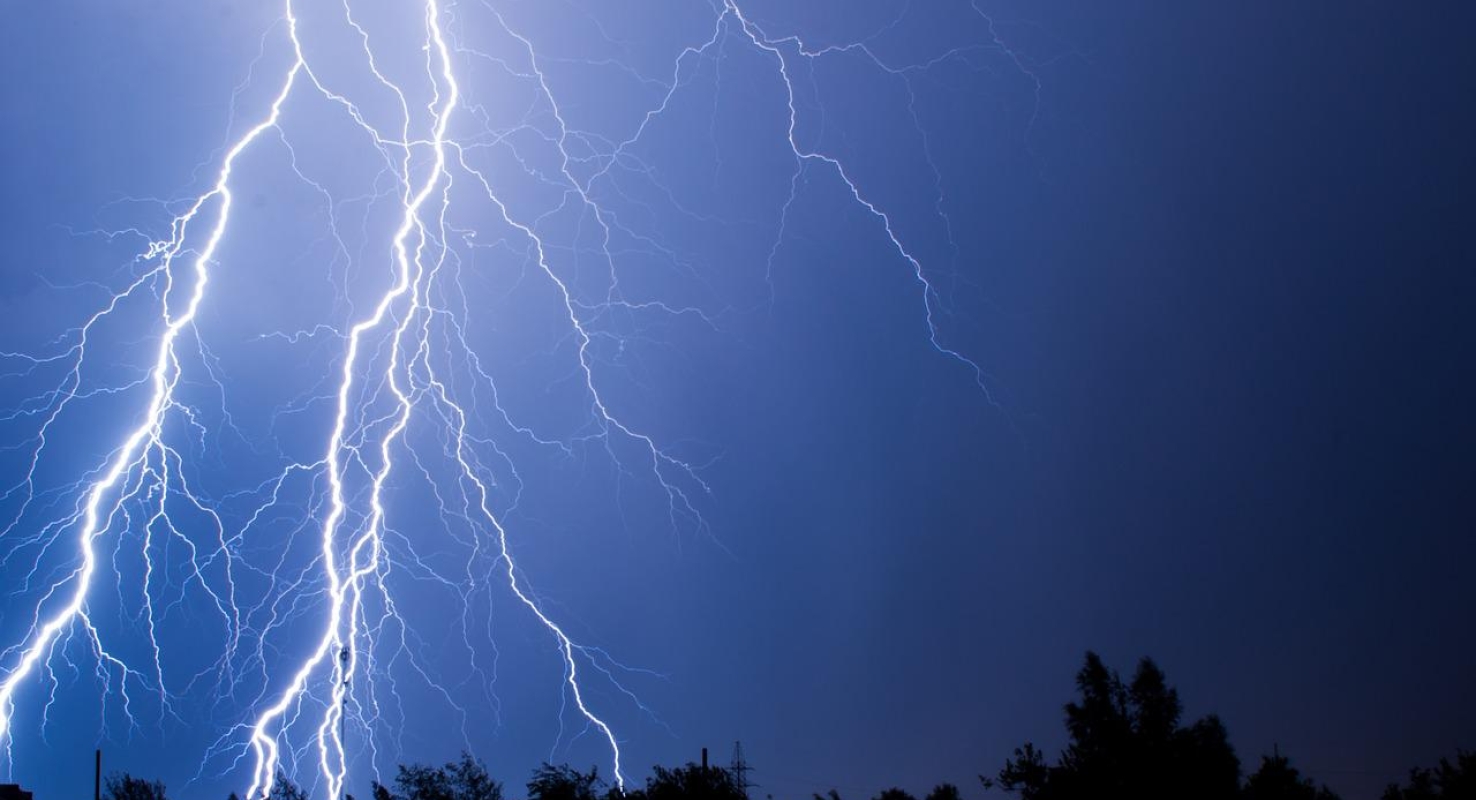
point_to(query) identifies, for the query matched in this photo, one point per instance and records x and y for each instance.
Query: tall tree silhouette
(1126, 741)
(1448, 781)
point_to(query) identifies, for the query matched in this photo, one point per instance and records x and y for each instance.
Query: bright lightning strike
(405, 361)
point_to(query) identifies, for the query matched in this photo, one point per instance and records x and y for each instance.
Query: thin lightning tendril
(386, 361)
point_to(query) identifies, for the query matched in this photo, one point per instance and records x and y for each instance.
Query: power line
(740, 769)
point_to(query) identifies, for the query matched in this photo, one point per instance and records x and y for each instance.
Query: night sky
(1213, 261)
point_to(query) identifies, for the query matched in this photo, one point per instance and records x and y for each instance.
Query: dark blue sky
(1215, 269)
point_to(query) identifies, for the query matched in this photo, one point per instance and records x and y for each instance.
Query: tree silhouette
(1126, 741)
(1277, 779)
(1202, 755)
(563, 782)
(285, 789)
(692, 782)
(1026, 773)
(466, 779)
(122, 786)
(1446, 782)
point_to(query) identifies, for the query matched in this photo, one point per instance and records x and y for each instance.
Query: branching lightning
(405, 360)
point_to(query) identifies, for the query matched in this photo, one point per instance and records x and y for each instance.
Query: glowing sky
(825, 375)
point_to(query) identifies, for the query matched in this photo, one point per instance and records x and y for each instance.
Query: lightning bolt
(103, 498)
(406, 360)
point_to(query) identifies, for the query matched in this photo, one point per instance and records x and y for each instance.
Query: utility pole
(97, 774)
(740, 769)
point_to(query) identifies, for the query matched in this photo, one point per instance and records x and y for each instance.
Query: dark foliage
(1447, 781)
(1277, 779)
(692, 782)
(563, 782)
(284, 789)
(1127, 741)
(122, 786)
(466, 779)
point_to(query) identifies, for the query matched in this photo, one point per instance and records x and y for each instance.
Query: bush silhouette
(563, 782)
(691, 782)
(465, 779)
(1277, 779)
(122, 786)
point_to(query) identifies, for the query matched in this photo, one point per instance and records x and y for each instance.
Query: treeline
(1128, 740)
(1125, 740)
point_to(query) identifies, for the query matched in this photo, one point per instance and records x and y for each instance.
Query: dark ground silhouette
(1125, 740)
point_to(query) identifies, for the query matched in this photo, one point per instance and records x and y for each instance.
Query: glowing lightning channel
(164, 376)
(345, 584)
(363, 556)
(352, 543)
